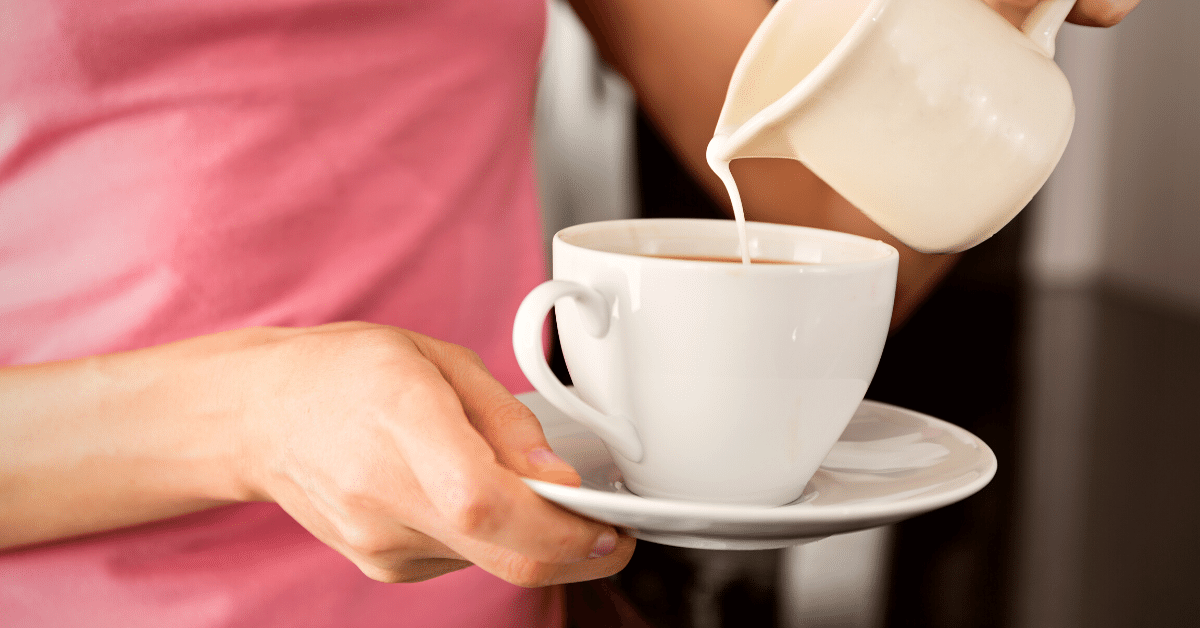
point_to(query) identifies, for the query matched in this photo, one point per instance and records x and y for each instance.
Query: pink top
(170, 169)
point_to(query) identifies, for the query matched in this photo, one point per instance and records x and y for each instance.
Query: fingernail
(543, 458)
(604, 545)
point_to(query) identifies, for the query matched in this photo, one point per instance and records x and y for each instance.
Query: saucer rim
(807, 512)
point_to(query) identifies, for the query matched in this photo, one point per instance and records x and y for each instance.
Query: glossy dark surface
(1089, 399)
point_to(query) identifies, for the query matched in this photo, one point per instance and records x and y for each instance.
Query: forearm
(397, 450)
(679, 56)
(110, 441)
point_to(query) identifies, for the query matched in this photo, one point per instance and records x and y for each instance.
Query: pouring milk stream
(936, 118)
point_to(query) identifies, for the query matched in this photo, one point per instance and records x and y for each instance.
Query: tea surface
(728, 259)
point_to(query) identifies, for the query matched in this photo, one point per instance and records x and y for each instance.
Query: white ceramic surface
(936, 118)
(889, 464)
(712, 381)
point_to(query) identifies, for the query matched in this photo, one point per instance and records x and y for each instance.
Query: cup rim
(820, 74)
(882, 253)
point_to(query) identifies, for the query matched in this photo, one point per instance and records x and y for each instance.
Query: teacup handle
(1044, 21)
(616, 431)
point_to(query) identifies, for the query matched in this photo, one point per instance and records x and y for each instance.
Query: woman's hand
(402, 453)
(1085, 12)
(397, 450)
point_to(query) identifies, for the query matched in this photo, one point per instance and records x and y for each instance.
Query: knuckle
(477, 514)
(419, 387)
(367, 540)
(352, 487)
(528, 573)
(504, 409)
(377, 340)
(411, 571)
(469, 355)
(401, 558)
(344, 346)
(565, 545)
(441, 351)
(383, 574)
(406, 572)
(459, 358)
(342, 326)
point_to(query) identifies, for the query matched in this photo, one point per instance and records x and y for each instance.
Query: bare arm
(111, 441)
(397, 450)
(679, 56)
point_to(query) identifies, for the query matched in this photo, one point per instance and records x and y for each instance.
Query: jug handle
(1044, 21)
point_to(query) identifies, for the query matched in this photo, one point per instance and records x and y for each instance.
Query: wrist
(171, 418)
(221, 382)
(110, 441)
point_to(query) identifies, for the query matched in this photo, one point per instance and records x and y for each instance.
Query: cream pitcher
(936, 118)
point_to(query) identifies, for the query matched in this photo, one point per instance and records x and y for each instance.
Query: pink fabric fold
(170, 169)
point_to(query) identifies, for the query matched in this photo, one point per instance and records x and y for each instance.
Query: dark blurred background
(1069, 342)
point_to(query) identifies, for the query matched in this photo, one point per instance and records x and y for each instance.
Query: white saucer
(890, 464)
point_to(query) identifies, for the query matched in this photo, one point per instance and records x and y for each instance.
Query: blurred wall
(584, 130)
(1152, 240)
(1123, 207)
(1122, 210)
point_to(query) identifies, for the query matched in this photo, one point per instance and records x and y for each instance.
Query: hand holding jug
(937, 118)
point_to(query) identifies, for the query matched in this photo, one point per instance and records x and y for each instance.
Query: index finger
(1100, 12)
(476, 497)
(511, 429)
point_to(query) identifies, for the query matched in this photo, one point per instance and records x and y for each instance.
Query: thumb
(510, 428)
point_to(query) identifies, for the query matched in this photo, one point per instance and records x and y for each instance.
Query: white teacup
(936, 118)
(711, 381)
